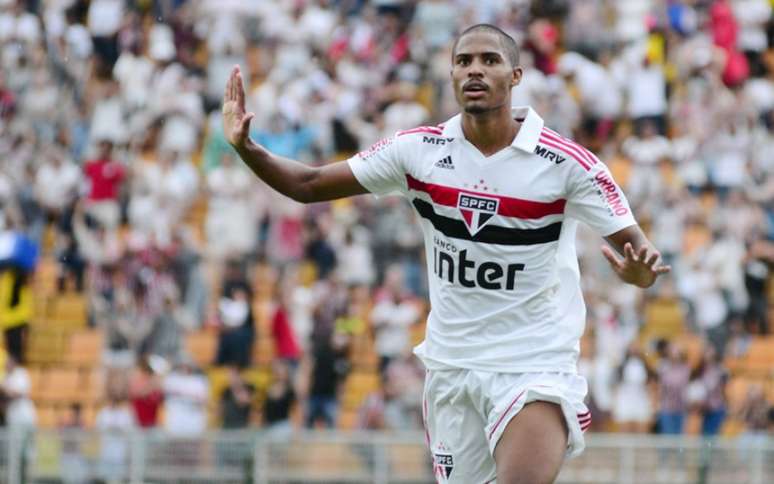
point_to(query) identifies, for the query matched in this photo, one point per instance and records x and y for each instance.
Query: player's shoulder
(432, 135)
(564, 150)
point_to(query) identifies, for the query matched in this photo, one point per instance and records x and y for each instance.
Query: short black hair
(506, 41)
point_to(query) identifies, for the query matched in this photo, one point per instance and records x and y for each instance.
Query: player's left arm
(641, 263)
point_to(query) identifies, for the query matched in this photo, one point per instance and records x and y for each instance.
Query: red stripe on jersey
(587, 156)
(499, 421)
(421, 129)
(591, 156)
(567, 150)
(508, 207)
(580, 415)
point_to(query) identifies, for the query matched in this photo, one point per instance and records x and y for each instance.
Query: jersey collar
(525, 140)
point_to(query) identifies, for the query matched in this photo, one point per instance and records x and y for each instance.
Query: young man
(499, 196)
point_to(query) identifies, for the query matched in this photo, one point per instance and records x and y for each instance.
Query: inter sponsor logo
(445, 163)
(431, 140)
(476, 210)
(611, 194)
(457, 268)
(549, 155)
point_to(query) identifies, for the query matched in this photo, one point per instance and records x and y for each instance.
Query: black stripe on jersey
(490, 234)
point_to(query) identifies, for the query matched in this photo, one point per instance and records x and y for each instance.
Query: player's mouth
(474, 89)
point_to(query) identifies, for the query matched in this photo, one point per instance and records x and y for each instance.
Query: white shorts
(466, 411)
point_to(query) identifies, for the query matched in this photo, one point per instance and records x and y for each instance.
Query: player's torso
(491, 223)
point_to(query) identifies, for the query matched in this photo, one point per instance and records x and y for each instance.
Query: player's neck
(490, 131)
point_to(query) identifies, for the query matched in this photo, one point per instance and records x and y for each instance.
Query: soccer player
(499, 196)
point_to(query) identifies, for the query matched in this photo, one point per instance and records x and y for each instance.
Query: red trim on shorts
(499, 421)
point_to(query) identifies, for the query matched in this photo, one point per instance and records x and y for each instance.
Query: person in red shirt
(145, 394)
(105, 176)
(286, 345)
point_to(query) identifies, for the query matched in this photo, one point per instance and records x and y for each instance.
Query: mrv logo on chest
(549, 155)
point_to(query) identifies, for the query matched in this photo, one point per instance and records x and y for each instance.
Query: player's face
(481, 73)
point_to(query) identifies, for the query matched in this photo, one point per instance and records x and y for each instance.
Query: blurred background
(165, 314)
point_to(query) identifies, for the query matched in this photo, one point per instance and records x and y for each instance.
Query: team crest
(443, 463)
(476, 210)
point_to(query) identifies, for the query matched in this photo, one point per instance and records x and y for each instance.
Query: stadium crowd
(113, 164)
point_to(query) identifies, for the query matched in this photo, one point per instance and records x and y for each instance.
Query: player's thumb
(246, 121)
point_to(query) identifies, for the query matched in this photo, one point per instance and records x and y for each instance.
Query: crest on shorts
(476, 210)
(443, 462)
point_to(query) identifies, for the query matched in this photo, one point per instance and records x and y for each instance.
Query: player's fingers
(613, 259)
(629, 253)
(651, 259)
(240, 89)
(232, 84)
(642, 253)
(662, 269)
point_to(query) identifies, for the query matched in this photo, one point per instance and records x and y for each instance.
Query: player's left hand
(640, 268)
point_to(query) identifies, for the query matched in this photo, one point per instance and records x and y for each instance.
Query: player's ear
(516, 75)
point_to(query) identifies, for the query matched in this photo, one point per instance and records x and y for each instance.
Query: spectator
(15, 310)
(286, 346)
(392, 318)
(185, 400)
(145, 394)
(231, 224)
(20, 415)
(324, 372)
(114, 423)
(280, 399)
(236, 401)
(631, 407)
(673, 376)
(56, 185)
(73, 466)
(235, 318)
(712, 378)
(105, 176)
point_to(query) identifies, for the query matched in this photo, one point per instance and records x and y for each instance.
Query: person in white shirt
(185, 400)
(56, 183)
(20, 415)
(499, 197)
(114, 422)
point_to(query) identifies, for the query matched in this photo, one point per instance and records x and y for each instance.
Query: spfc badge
(476, 210)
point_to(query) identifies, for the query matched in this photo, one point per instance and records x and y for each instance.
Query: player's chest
(508, 173)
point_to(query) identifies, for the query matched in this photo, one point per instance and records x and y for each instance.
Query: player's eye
(463, 61)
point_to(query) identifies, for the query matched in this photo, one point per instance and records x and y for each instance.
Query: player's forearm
(289, 177)
(632, 235)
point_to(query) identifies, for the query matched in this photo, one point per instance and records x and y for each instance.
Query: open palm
(236, 122)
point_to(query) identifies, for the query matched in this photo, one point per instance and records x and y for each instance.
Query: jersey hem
(436, 365)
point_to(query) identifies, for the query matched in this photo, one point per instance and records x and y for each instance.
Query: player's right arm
(291, 178)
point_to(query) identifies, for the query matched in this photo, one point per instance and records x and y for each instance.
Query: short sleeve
(596, 199)
(380, 168)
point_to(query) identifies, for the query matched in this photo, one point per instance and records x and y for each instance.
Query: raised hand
(639, 268)
(236, 123)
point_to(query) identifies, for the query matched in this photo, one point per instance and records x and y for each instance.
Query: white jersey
(500, 239)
